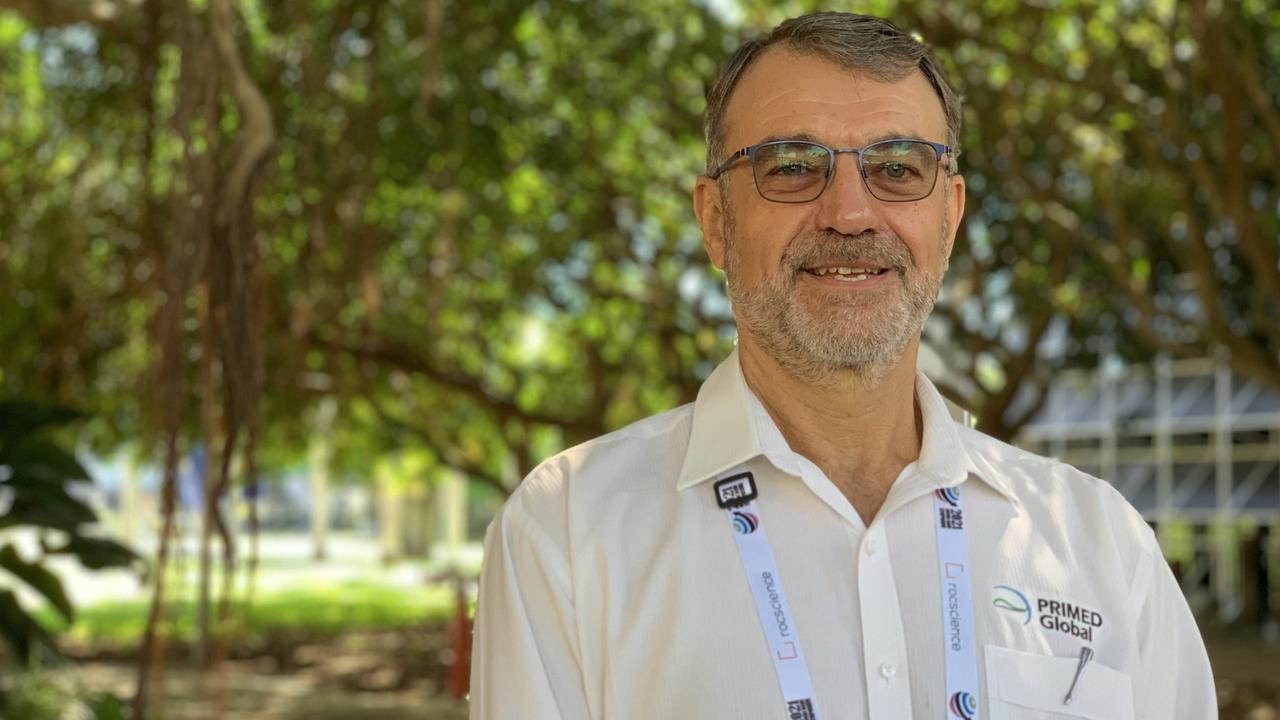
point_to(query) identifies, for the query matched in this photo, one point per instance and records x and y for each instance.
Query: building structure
(1195, 447)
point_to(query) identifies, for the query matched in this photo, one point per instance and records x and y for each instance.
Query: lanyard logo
(963, 705)
(745, 522)
(950, 517)
(948, 496)
(801, 710)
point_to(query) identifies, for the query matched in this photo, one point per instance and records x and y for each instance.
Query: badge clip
(736, 490)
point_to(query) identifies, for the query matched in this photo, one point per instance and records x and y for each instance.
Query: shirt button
(870, 546)
(887, 670)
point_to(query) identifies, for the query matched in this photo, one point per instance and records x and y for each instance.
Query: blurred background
(293, 294)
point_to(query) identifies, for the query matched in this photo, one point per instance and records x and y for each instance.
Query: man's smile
(847, 274)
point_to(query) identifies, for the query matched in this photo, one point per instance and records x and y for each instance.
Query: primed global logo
(745, 522)
(1058, 615)
(1068, 618)
(1014, 601)
(963, 705)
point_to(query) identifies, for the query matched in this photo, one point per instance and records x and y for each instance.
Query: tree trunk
(129, 526)
(390, 519)
(320, 455)
(211, 422)
(452, 502)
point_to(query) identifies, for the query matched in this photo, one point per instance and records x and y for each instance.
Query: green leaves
(26, 637)
(106, 706)
(96, 553)
(36, 470)
(39, 459)
(39, 579)
(18, 419)
(45, 505)
(37, 478)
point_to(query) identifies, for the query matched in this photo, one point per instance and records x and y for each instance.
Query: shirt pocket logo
(1069, 618)
(1012, 600)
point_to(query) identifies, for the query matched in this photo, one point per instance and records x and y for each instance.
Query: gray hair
(858, 42)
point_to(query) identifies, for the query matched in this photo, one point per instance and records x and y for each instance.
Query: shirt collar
(726, 433)
(944, 455)
(723, 435)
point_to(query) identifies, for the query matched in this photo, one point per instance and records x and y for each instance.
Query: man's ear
(708, 205)
(954, 208)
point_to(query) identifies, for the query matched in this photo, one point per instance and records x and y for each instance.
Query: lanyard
(957, 605)
(736, 494)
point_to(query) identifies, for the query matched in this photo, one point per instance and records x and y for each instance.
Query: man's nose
(847, 206)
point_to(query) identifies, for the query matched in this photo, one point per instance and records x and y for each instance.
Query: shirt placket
(884, 648)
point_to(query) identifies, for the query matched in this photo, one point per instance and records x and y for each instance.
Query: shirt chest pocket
(1030, 686)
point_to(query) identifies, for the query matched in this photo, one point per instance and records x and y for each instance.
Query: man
(814, 536)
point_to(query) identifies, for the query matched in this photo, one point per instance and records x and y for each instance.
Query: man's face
(780, 259)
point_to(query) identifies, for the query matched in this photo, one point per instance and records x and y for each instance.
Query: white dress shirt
(612, 588)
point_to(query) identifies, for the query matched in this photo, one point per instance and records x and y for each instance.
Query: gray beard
(865, 337)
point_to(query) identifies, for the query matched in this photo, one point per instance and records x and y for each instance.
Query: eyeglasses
(798, 171)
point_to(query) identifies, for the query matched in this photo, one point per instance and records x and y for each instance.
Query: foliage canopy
(473, 226)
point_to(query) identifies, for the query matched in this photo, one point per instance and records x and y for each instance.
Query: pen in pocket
(1086, 654)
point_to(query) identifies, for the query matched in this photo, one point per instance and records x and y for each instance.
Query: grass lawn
(314, 609)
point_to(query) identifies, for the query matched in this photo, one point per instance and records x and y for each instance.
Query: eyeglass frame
(749, 152)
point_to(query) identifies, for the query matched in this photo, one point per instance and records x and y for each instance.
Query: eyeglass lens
(895, 170)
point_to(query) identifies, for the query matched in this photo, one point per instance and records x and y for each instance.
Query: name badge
(736, 490)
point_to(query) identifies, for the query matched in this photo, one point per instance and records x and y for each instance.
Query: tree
(220, 151)
(1172, 187)
(430, 170)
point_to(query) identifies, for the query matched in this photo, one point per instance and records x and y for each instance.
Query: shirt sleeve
(525, 661)
(1174, 681)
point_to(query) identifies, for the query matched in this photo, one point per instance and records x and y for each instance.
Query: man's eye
(793, 169)
(896, 171)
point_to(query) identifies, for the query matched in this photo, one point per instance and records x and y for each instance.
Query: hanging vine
(210, 262)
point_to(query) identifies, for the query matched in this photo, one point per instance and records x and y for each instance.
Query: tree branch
(445, 451)
(432, 21)
(405, 359)
(257, 133)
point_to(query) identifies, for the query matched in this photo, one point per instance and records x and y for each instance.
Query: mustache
(829, 247)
